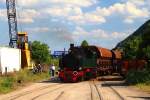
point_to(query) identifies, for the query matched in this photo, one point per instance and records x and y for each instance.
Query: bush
(23, 76)
(6, 84)
(138, 77)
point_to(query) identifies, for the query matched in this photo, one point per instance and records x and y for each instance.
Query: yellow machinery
(17, 39)
(22, 43)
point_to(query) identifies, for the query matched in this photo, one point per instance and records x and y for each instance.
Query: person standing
(39, 67)
(53, 70)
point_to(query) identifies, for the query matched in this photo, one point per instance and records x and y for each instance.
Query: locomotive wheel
(81, 79)
(123, 75)
(61, 79)
(101, 73)
(109, 72)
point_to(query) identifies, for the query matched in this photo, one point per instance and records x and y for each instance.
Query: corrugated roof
(104, 52)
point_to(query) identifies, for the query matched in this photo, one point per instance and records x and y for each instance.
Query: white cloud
(93, 18)
(25, 20)
(128, 20)
(72, 10)
(37, 29)
(137, 2)
(3, 14)
(97, 34)
(118, 35)
(128, 10)
(79, 31)
(28, 16)
(27, 3)
(133, 13)
(24, 3)
(61, 11)
(133, 10)
(2, 1)
(98, 37)
(74, 14)
(87, 18)
(80, 3)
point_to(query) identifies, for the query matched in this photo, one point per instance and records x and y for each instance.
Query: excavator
(18, 39)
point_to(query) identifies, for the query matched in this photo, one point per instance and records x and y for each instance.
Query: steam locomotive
(86, 62)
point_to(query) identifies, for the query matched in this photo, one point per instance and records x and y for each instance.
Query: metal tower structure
(12, 22)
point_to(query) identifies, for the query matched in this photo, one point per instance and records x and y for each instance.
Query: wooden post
(0, 70)
(5, 71)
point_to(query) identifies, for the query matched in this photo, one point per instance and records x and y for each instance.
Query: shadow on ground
(55, 80)
(51, 80)
(145, 98)
(113, 80)
(106, 84)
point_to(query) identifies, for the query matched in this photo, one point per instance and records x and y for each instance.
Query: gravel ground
(88, 90)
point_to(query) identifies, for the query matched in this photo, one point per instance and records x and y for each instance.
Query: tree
(146, 52)
(132, 48)
(40, 52)
(84, 43)
(146, 38)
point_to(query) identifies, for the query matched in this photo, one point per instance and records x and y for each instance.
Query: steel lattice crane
(12, 22)
(17, 39)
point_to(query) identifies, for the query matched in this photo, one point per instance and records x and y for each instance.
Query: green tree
(132, 48)
(146, 38)
(84, 43)
(40, 52)
(146, 52)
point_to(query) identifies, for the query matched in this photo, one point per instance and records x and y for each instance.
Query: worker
(34, 70)
(39, 67)
(52, 68)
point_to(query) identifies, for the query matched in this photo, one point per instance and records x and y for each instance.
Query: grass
(10, 83)
(144, 87)
(6, 84)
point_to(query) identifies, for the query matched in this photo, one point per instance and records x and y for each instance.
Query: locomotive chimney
(71, 45)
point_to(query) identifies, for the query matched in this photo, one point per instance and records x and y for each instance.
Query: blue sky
(61, 22)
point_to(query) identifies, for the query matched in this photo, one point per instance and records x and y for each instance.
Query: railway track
(14, 97)
(59, 96)
(115, 91)
(94, 88)
(65, 86)
(111, 89)
(47, 92)
(100, 93)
